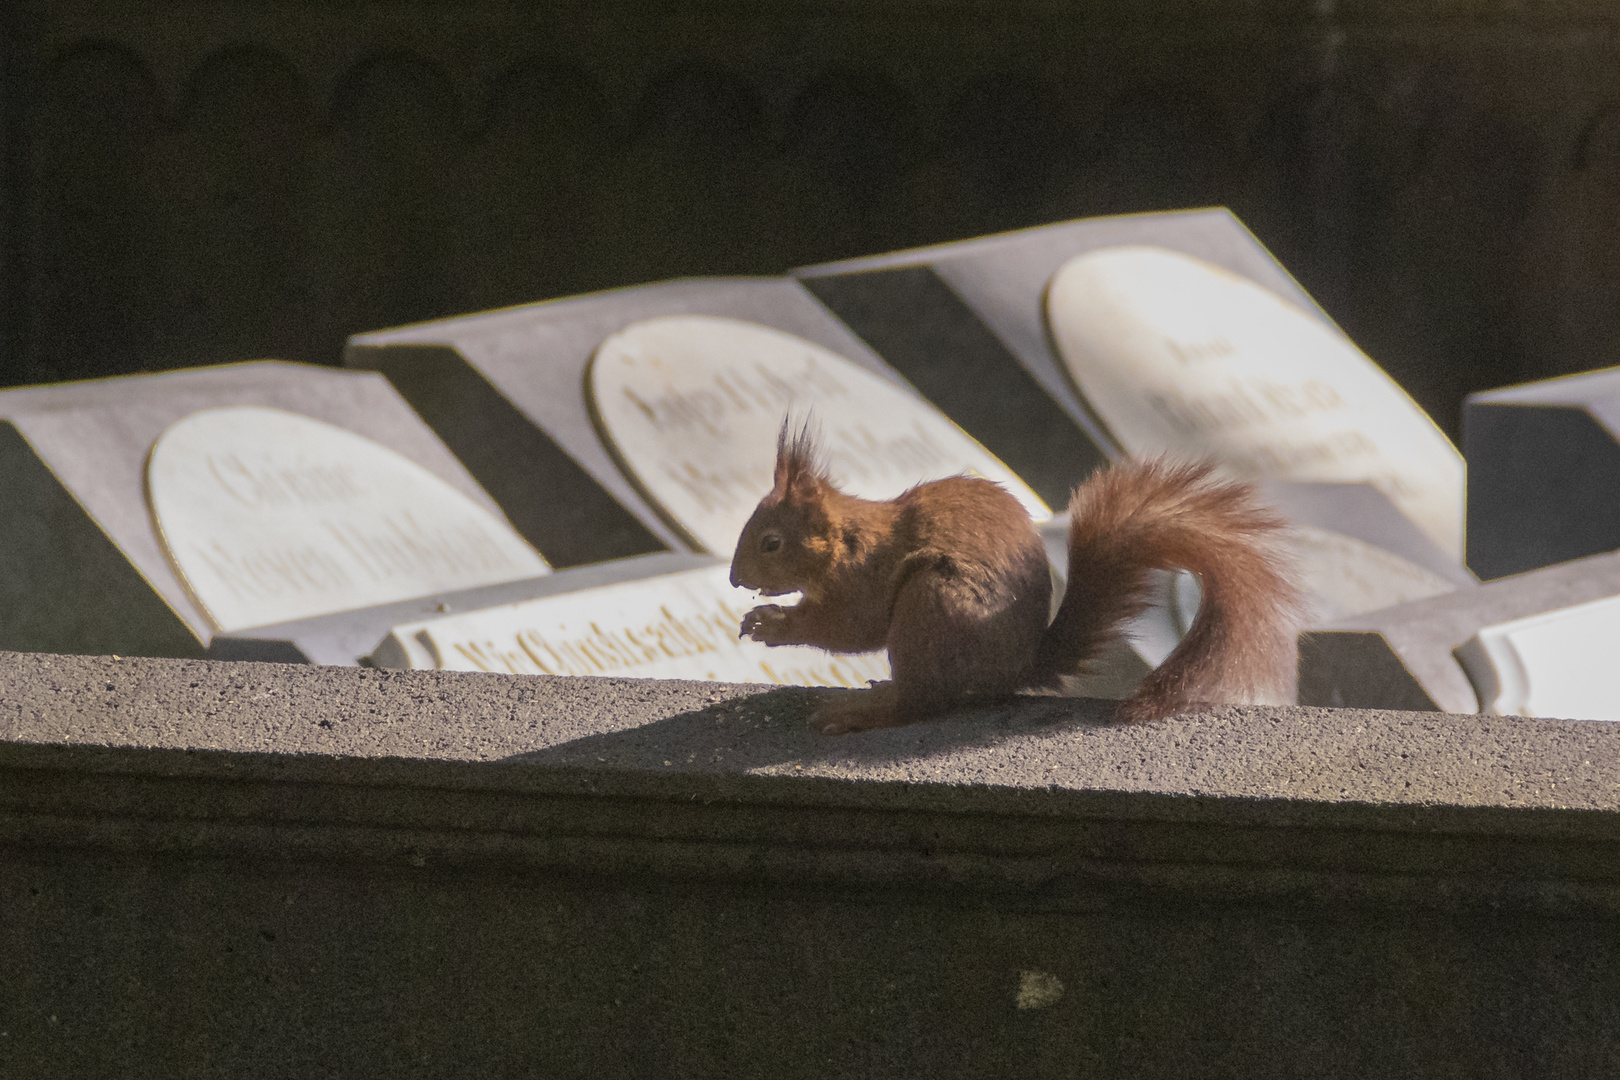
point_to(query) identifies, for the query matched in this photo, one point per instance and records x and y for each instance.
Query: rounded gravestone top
(269, 516)
(691, 406)
(1178, 355)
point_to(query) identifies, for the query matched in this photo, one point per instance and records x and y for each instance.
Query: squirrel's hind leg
(951, 640)
(863, 710)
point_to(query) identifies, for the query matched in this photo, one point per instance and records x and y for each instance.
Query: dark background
(196, 183)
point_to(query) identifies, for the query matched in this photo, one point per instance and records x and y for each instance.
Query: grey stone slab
(955, 318)
(1543, 472)
(1404, 656)
(77, 520)
(348, 637)
(505, 390)
(964, 316)
(1553, 663)
(306, 870)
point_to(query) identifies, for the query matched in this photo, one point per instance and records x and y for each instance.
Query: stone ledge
(1042, 799)
(239, 868)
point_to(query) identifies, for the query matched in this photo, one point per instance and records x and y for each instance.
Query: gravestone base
(285, 871)
(349, 637)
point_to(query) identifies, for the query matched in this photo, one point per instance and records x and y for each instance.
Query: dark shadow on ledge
(771, 731)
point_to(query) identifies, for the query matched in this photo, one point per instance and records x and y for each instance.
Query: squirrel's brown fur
(951, 577)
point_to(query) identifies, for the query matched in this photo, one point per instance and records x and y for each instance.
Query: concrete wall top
(665, 738)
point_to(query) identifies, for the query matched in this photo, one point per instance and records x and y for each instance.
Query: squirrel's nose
(734, 584)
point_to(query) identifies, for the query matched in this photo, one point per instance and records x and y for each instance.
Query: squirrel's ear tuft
(799, 469)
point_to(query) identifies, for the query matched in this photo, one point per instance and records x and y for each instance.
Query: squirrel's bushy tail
(1159, 514)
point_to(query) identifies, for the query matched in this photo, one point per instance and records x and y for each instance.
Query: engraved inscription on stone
(1557, 664)
(679, 626)
(269, 516)
(691, 406)
(1176, 354)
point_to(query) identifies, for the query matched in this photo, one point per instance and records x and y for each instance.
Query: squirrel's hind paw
(846, 720)
(860, 711)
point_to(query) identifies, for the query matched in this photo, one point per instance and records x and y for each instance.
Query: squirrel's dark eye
(770, 542)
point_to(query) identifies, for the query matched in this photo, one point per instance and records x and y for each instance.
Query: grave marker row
(303, 517)
(686, 382)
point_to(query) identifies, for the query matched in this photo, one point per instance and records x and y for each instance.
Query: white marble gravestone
(691, 405)
(84, 568)
(1559, 664)
(1177, 354)
(674, 626)
(268, 516)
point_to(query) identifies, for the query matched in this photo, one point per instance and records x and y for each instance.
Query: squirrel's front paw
(766, 623)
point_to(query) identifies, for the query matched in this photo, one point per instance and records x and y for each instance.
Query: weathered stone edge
(1089, 850)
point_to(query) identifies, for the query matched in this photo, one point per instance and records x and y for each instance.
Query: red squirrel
(951, 577)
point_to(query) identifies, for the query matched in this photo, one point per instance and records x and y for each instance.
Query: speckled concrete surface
(1400, 759)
